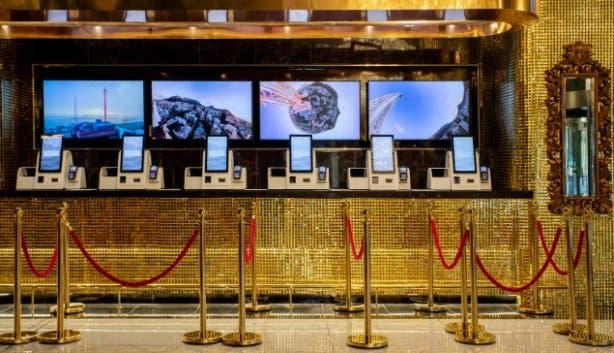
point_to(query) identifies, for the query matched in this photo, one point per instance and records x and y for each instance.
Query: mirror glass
(579, 137)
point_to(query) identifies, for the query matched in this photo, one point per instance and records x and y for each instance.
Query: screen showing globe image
(327, 110)
(419, 110)
(193, 110)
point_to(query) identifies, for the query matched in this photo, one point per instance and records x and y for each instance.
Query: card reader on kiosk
(381, 172)
(215, 172)
(135, 170)
(300, 171)
(54, 168)
(461, 172)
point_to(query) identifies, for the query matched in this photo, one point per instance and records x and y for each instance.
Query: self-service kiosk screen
(216, 154)
(51, 154)
(132, 154)
(463, 154)
(382, 153)
(300, 153)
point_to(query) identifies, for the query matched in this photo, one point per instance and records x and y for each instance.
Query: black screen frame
(40, 155)
(394, 167)
(207, 154)
(475, 162)
(121, 162)
(290, 138)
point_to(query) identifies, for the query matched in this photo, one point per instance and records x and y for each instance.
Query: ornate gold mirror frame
(577, 64)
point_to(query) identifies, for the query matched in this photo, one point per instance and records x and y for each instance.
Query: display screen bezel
(391, 137)
(142, 155)
(454, 154)
(40, 159)
(292, 169)
(206, 161)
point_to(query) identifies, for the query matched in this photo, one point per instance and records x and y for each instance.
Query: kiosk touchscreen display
(51, 155)
(463, 154)
(382, 153)
(300, 154)
(132, 154)
(216, 154)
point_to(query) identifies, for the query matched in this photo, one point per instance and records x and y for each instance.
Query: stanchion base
(359, 341)
(349, 309)
(454, 327)
(51, 337)
(433, 309)
(483, 337)
(597, 339)
(75, 309)
(26, 337)
(258, 308)
(195, 337)
(536, 312)
(565, 328)
(249, 339)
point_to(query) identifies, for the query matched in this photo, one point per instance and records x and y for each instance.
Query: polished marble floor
(300, 335)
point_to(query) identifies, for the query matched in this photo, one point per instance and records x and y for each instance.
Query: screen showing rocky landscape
(327, 110)
(419, 110)
(189, 110)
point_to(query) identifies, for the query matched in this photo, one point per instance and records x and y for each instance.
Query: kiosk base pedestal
(195, 337)
(26, 337)
(51, 337)
(360, 341)
(249, 339)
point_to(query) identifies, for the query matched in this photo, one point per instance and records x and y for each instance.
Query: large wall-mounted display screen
(463, 154)
(216, 154)
(327, 110)
(51, 154)
(132, 154)
(93, 109)
(382, 154)
(300, 154)
(187, 110)
(419, 110)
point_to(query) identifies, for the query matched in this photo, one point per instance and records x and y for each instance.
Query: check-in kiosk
(215, 172)
(381, 172)
(54, 169)
(135, 170)
(461, 171)
(300, 172)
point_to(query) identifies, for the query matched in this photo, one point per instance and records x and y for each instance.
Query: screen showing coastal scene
(419, 110)
(82, 109)
(327, 110)
(193, 110)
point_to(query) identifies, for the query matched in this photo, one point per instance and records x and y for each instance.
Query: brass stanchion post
(202, 336)
(536, 308)
(61, 335)
(473, 334)
(566, 327)
(431, 307)
(589, 337)
(17, 336)
(241, 338)
(254, 307)
(367, 340)
(348, 307)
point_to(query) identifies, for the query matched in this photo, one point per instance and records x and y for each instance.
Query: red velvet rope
(550, 256)
(535, 278)
(357, 256)
(142, 283)
(459, 252)
(35, 271)
(249, 252)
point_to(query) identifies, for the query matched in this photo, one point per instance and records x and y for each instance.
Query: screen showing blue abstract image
(51, 154)
(463, 154)
(216, 154)
(132, 154)
(87, 109)
(300, 153)
(188, 110)
(382, 153)
(419, 110)
(327, 110)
